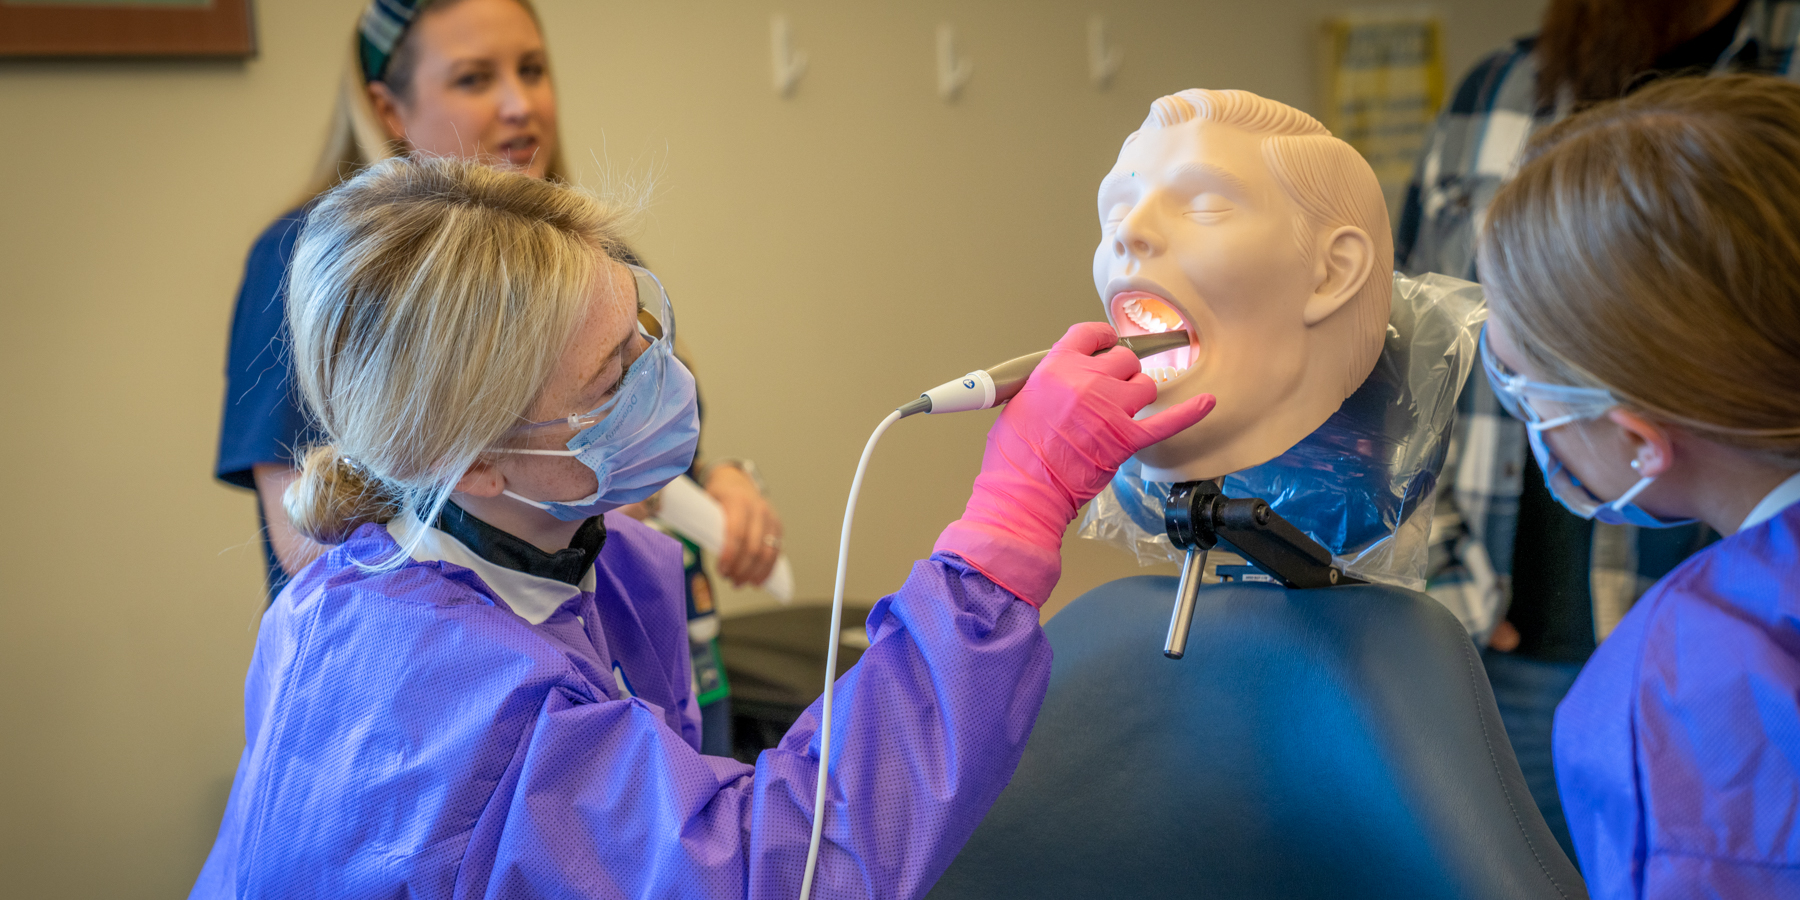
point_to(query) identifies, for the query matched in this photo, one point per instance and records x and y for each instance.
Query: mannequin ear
(1342, 268)
(1652, 450)
(482, 480)
(387, 109)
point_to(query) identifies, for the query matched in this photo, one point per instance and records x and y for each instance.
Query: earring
(1637, 464)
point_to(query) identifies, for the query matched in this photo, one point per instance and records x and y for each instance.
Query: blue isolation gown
(1678, 749)
(454, 728)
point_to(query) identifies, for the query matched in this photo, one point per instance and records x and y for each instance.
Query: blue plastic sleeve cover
(1363, 483)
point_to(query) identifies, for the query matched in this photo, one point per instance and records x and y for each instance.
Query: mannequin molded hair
(1332, 184)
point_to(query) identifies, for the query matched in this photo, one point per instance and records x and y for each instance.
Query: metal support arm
(1199, 516)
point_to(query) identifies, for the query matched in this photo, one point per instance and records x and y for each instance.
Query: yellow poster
(1382, 82)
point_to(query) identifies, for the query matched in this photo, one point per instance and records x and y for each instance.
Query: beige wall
(829, 255)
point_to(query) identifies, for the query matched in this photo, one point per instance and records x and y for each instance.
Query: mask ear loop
(523, 452)
(1625, 499)
(526, 500)
(1558, 422)
(1630, 495)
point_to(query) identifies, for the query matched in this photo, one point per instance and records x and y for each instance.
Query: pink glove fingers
(1119, 363)
(1087, 338)
(1176, 419)
(1054, 447)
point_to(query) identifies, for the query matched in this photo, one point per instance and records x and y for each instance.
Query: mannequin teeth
(1156, 316)
(1164, 374)
(1151, 321)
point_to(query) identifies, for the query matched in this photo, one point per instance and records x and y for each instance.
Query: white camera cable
(831, 652)
(980, 389)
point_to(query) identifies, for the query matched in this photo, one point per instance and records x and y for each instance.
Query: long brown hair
(1651, 247)
(1597, 49)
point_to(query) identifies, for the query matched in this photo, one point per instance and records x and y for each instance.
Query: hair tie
(380, 30)
(351, 463)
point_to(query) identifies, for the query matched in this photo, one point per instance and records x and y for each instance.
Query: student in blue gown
(483, 688)
(1644, 273)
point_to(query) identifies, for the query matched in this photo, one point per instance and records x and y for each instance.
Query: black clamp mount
(1198, 516)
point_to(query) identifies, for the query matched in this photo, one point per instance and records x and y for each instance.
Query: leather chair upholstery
(1336, 743)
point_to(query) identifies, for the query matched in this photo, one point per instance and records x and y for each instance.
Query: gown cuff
(1025, 570)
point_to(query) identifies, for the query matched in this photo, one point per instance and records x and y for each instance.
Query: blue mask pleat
(646, 439)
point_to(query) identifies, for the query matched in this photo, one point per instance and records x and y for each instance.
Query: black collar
(568, 566)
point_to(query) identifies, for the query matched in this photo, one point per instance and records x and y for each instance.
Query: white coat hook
(953, 70)
(789, 63)
(1103, 61)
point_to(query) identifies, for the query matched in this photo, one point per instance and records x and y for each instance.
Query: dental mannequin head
(1245, 222)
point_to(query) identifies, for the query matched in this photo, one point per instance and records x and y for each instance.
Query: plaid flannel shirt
(1474, 148)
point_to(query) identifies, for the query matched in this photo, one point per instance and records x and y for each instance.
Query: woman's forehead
(612, 302)
(479, 28)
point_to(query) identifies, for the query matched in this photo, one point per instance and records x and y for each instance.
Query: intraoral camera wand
(990, 387)
(980, 389)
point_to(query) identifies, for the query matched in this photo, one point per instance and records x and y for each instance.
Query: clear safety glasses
(1536, 402)
(655, 321)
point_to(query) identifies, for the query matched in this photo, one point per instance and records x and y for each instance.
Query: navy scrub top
(263, 421)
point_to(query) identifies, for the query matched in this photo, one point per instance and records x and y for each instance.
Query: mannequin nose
(1136, 237)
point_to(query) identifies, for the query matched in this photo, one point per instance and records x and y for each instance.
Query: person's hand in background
(753, 531)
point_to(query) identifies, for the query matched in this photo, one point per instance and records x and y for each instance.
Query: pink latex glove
(1053, 448)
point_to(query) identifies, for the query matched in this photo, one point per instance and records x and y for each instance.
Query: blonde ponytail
(335, 495)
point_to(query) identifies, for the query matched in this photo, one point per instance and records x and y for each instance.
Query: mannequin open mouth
(1141, 312)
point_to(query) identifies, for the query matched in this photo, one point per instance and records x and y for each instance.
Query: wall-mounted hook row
(1103, 61)
(790, 64)
(954, 69)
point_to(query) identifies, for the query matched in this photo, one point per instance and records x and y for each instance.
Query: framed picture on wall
(126, 28)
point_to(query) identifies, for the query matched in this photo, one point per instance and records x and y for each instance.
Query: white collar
(534, 598)
(1784, 495)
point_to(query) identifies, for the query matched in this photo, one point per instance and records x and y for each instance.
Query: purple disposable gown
(1678, 749)
(413, 734)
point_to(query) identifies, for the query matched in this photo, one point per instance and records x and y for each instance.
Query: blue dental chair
(1333, 743)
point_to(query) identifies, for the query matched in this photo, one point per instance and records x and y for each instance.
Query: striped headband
(380, 30)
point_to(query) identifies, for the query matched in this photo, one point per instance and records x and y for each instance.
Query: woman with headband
(1643, 273)
(451, 78)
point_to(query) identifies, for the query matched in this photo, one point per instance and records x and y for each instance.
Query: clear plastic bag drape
(1362, 484)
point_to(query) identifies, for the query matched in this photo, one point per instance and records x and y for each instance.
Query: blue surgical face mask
(645, 435)
(1516, 394)
(1568, 490)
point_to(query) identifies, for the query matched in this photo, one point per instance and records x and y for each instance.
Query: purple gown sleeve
(1678, 749)
(603, 798)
